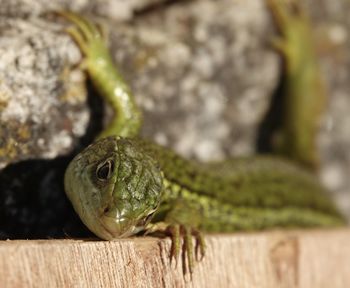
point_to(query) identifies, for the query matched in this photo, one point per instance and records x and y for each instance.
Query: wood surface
(313, 258)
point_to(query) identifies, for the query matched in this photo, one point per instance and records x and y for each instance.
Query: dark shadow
(157, 6)
(272, 121)
(33, 203)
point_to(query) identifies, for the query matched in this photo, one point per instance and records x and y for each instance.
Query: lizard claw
(188, 250)
(174, 231)
(89, 36)
(279, 11)
(284, 12)
(88, 30)
(200, 245)
(177, 232)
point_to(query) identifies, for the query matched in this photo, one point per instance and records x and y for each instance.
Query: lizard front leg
(181, 222)
(304, 93)
(105, 76)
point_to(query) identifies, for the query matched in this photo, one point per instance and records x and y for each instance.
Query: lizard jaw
(117, 227)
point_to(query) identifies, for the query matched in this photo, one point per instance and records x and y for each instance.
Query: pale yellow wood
(270, 259)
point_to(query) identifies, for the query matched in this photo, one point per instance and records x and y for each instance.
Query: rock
(113, 9)
(42, 97)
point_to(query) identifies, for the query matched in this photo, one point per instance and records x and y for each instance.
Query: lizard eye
(105, 170)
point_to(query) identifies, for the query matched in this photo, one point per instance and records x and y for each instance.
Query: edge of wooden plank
(309, 258)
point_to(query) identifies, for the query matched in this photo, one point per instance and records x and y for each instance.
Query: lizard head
(114, 187)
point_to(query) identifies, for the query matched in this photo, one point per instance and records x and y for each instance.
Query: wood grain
(271, 259)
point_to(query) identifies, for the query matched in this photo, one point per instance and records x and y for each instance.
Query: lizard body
(254, 193)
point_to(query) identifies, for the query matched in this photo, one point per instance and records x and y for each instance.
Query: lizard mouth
(119, 227)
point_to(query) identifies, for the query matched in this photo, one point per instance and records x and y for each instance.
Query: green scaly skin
(121, 184)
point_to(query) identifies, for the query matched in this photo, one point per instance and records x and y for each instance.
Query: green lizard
(121, 184)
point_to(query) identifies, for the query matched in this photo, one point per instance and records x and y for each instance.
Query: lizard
(121, 185)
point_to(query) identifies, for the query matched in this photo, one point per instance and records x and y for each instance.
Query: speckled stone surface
(331, 28)
(204, 69)
(42, 97)
(119, 10)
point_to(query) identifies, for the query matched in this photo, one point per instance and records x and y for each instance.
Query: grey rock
(119, 10)
(331, 27)
(203, 73)
(42, 96)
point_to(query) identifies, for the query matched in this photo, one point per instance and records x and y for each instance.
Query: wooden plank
(316, 258)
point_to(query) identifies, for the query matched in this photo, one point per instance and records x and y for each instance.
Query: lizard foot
(295, 42)
(177, 232)
(89, 36)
